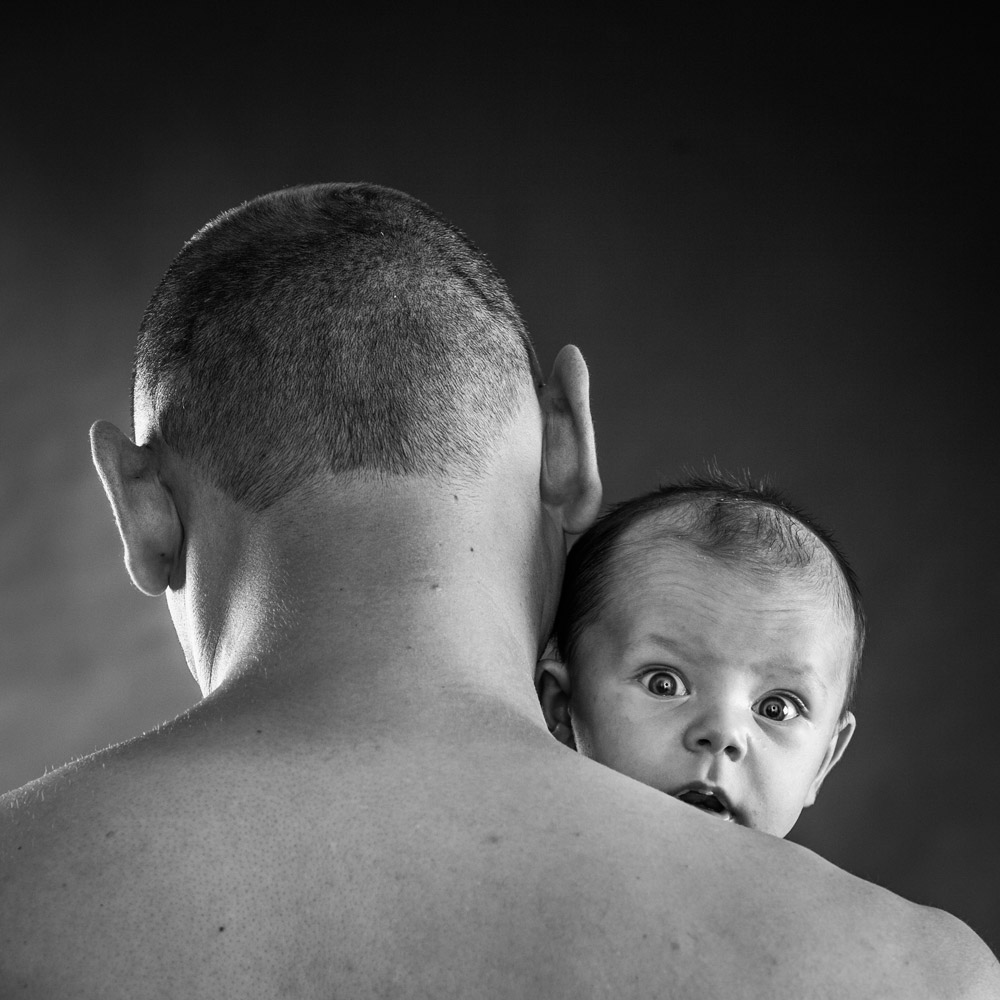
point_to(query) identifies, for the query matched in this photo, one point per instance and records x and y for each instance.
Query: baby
(708, 638)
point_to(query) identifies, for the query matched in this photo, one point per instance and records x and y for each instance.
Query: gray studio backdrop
(770, 248)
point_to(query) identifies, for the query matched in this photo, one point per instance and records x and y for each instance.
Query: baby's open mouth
(706, 801)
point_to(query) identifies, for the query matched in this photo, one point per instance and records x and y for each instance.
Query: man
(355, 491)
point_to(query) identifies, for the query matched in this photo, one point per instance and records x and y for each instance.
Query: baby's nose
(715, 733)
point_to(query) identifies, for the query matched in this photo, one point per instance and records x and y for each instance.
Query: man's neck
(351, 609)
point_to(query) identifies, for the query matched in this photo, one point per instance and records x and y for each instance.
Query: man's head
(330, 329)
(328, 359)
(710, 637)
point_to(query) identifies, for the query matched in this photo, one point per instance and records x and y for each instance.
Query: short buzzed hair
(738, 521)
(327, 329)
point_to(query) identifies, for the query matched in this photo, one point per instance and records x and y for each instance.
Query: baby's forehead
(677, 533)
(659, 550)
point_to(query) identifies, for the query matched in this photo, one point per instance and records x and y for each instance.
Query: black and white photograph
(498, 504)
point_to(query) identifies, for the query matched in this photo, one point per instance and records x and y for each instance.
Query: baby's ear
(838, 744)
(553, 685)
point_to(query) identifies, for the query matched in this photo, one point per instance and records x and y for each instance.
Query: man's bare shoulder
(784, 908)
(86, 778)
(959, 964)
(932, 950)
(67, 815)
(98, 860)
(35, 810)
(592, 878)
(138, 778)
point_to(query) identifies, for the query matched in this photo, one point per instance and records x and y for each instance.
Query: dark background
(772, 240)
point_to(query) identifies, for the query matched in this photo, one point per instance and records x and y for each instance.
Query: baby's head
(709, 637)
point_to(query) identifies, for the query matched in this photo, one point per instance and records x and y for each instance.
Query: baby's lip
(708, 799)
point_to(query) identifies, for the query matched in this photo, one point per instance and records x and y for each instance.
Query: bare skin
(367, 802)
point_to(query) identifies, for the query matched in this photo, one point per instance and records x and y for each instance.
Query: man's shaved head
(328, 329)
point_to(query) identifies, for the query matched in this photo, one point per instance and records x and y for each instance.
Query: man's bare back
(502, 868)
(367, 802)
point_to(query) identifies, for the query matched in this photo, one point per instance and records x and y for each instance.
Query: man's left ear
(143, 507)
(838, 744)
(570, 483)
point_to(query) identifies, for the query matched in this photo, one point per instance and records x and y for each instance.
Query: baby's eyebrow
(804, 673)
(690, 650)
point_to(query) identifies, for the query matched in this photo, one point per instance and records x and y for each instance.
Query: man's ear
(570, 483)
(144, 509)
(553, 685)
(838, 744)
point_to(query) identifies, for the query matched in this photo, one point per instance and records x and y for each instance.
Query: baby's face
(715, 685)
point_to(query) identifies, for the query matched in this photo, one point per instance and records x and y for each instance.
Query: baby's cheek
(783, 805)
(598, 729)
(636, 741)
(586, 734)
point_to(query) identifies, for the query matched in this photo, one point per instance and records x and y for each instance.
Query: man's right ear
(553, 685)
(570, 483)
(143, 507)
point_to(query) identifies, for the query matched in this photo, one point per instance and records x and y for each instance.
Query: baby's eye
(778, 707)
(664, 683)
